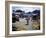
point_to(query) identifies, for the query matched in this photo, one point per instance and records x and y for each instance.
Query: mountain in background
(35, 12)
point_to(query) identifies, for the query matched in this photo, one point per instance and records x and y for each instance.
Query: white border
(24, 32)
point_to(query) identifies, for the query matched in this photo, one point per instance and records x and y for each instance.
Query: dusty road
(21, 25)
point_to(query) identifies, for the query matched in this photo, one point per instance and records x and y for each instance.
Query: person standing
(28, 18)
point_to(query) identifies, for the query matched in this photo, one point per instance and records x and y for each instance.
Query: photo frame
(24, 7)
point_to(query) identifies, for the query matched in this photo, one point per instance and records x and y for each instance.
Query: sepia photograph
(25, 18)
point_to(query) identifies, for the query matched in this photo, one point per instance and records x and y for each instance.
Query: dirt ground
(21, 25)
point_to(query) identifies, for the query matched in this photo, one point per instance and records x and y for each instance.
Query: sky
(26, 9)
